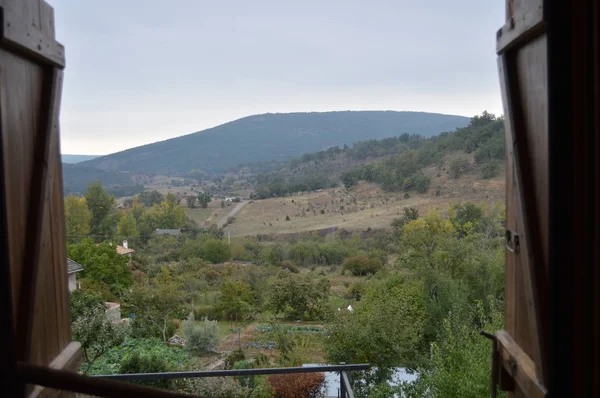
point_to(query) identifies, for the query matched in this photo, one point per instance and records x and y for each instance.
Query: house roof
(73, 266)
(122, 250)
(174, 232)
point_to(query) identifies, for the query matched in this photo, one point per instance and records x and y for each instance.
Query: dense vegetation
(418, 297)
(397, 164)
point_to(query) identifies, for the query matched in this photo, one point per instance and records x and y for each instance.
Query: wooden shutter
(35, 301)
(549, 74)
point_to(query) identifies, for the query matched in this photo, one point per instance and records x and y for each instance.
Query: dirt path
(232, 213)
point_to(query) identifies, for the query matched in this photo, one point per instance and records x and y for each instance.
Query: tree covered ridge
(395, 163)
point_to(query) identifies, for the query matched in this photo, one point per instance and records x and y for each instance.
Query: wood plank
(37, 203)
(530, 246)
(520, 366)
(30, 40)
(526, 21)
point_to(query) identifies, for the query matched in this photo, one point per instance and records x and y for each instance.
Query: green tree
(408, 214)
(102, 205)
(77, 216)
(127, 225)
(236, 299)
(349, 178)
(156, 300)
(460, 358)
(299, 297)
(385, 327)
(102, 265)
(191, 201)
(168, 214)
(151, 198)
(97, 334)
(458, 166)
(82, 301)
(215, 251)
(204, 199)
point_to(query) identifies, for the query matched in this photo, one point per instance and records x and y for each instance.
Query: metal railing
(345, 390)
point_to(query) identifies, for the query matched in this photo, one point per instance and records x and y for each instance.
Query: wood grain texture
(32, 173)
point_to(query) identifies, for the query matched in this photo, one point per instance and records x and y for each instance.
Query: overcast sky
(140, 71)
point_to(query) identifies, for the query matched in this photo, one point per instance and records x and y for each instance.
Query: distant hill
(76, 158)
(77, 177)
(270, 136)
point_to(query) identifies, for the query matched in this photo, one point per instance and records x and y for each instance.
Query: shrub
(142, 328)
(286, 264)
(302, 385)
(287, 218)
(458, 166)
(202, 338)
(361, 265)
(219, 387)
(136, 363)
(489, 170)
(233, 357)
(246, 381)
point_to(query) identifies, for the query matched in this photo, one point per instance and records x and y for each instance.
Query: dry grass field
(359, 208)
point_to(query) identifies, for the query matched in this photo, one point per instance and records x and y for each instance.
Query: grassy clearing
(362, 207)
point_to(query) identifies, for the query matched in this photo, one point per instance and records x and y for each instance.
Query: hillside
(67, 158)
(271, 137)
(77, 177)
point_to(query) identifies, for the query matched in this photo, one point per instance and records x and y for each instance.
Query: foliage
(361, 265)
(299, 297)
(97, 334)
(489, 170)
(461, 357)
(204, 199)
(301, 385)
(191, 201)
(168, 214)
(233, 357)
(177, 359)
(83, 301)
(156, 300)
(136, 363)
(77, 216)
(102, 265)
(384, 328)
(151, 198)
(102, 207)
(202, 338)
(236, 299)
(408, 214)
(219, 387)
(458, 166)
(127, 225)
(215, 251)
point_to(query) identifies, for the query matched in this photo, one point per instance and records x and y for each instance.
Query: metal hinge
(512, 241)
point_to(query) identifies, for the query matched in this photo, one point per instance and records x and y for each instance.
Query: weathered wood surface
(31, 64)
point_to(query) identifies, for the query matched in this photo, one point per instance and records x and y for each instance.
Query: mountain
(271, 136)
(66, 158)
(77, 177)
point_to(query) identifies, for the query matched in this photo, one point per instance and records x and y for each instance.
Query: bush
(246, 381)
(489, 170)
(219, 387)
(202, 338)
(458, 166)
(142, 328)
(286, 264)
(233, 357)
(136, 363)
(361, 265)
(302, 385)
